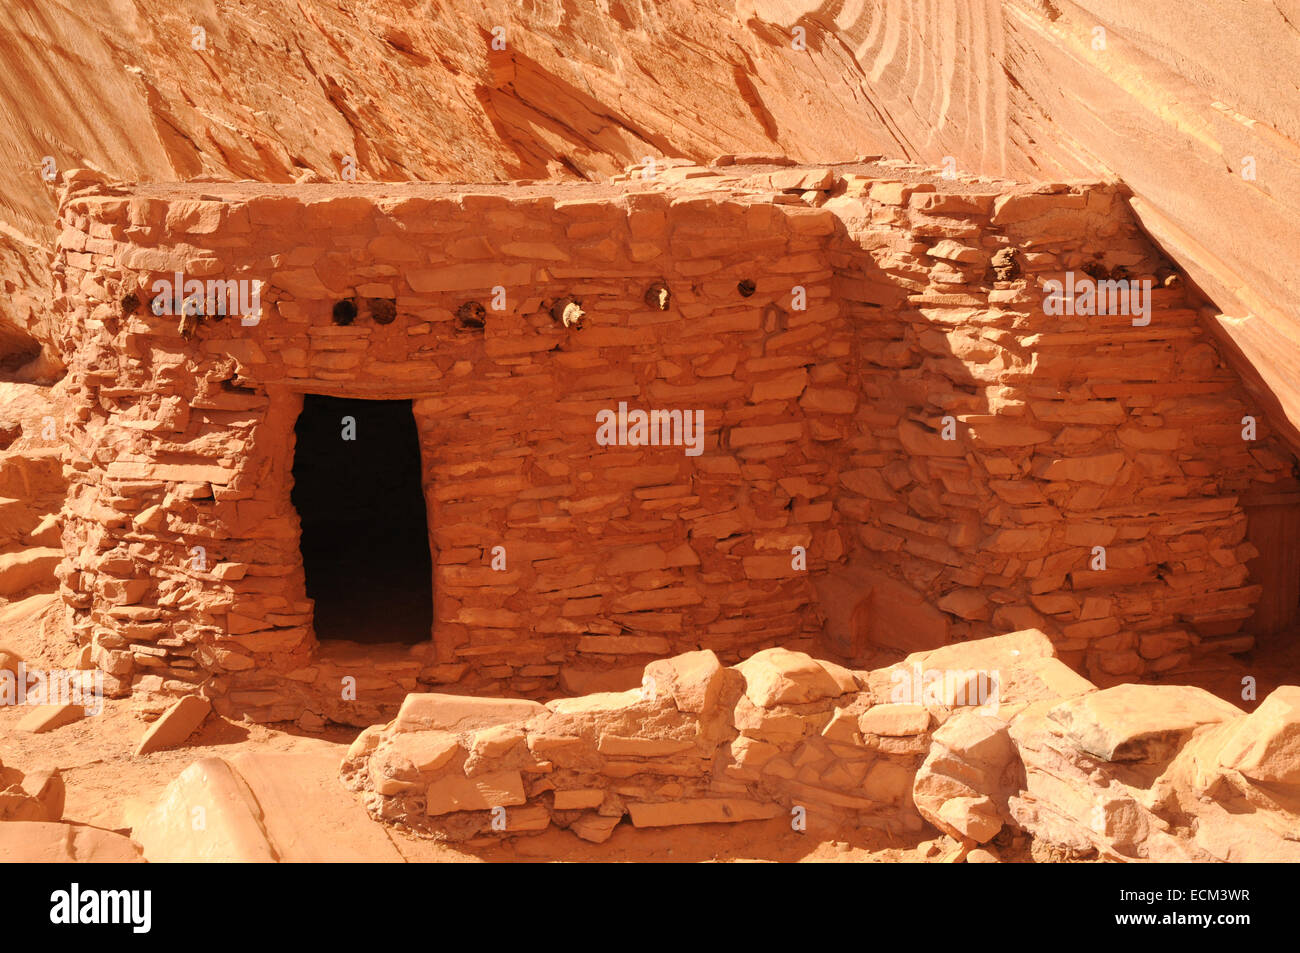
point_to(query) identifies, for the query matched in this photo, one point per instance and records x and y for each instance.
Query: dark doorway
(365, 536)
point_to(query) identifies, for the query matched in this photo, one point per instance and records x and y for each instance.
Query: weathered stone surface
(1265, 745)
(45, 718)
(971, 818)
(616, 746)
(694, 680)
(35, 796)
(573, 800)
(425, 750)
(457, 713)
(781, 677)
(595, 827)
(1145, 723)
(480, 793)
(894, 720)
(973, 766)
(231, 829)
(26, 568)
(36, 842)
(262, 807)
(175, 725)
(700, 811)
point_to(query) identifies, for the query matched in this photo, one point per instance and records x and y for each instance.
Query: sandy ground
(107, 785)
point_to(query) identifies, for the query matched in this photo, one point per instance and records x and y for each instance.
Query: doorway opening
(365, 534)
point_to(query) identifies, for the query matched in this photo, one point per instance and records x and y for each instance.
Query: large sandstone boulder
(1138, 772)
(964, 783)
(1265, 745)
(781, 677)
(36, 842)
(1146, 723)
(261, 807)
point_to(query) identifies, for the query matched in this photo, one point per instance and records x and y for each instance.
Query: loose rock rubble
(32, 829)
(698, 743)
(1134, 772)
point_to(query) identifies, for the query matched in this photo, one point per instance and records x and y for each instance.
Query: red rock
(894, 720)
(457, 713)
(595, 827)
(44, 718)
(781, 677)
(35, 842)
(261, 807)
(479, 793)
(175, 725)
(700, 811)
(1265, 745)
(1144, 723)
(574, 800)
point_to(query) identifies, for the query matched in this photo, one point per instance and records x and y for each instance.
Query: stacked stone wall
(832, 327)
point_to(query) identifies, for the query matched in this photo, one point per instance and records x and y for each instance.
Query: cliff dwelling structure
(335, 443)
(774, 430)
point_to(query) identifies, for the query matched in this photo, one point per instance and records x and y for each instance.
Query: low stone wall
(780, 734)
(1133, 772)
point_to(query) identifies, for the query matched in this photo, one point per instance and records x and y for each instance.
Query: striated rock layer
(1209, 143)
(278, 90)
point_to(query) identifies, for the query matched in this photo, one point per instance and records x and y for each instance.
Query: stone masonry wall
(1071, 432)
(822, 428)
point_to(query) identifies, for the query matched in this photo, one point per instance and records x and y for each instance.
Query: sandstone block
(37, 796)
(35, 842)
(457, 713)
(894, 720)
(621, 747)
(887, 781)
(527, 819)
(580, 799)
(780, 677)
(175, 725)
(595, 827)
(27, 568)
(970, 818)
(426, 751)
(700, 811)
(480, 793)
(496, 741)
(1145, 723)
(1265, 745)
(45, 718)
(694, 680)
